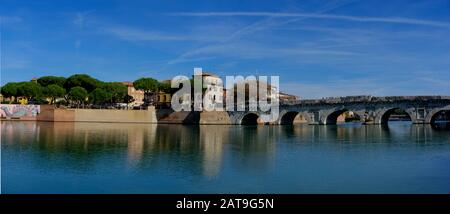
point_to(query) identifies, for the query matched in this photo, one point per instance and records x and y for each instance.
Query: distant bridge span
(371, 110)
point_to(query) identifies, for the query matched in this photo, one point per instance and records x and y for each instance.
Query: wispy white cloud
(249, 50)
(138, 34)
(252, 29)
(394, 20)
(134, 34)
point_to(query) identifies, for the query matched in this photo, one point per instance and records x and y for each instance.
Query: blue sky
(318, 48)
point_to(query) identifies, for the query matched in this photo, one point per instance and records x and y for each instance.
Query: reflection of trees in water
(198, 150)
(80, 145)
(195, 149)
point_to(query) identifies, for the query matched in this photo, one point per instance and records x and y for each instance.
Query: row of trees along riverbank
(78, 90)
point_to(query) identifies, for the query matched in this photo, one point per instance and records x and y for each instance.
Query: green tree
(82, 80)
(117, 91)
(10, 90)
(165, 87)
(50, 80)
(148, 85)
(78, 95)
(99, 96)
(29, 89)
(54, 91)
(128, 99)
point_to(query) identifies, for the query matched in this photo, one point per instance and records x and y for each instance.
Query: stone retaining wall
(49, 113)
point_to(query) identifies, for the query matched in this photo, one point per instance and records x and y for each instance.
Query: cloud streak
(266, 23)
(132, 34)
(392, 20)
(248, 50)
(194, 33)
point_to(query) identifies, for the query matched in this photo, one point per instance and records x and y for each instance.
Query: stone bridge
(370, 110)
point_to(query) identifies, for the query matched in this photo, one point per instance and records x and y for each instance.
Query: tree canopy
(146, 84)
(9, 89)
(82, 80)
(79, 87)
(78, 94)
(54, 91)
(116, 90)
(99, 96)
(50, 80)
(165, 87)
(29, 89)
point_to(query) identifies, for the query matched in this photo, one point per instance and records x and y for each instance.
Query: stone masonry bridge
(370, 110)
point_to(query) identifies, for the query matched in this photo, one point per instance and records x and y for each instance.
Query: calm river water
(45, 157)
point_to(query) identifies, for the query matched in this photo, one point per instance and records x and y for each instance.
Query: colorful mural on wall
(12, 110)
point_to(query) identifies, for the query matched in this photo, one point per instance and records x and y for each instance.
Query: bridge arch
(332, 118)
(386, 114)
(293, 117)
(433, 115)
(249, 119)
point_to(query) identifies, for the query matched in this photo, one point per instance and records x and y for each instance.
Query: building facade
(138, 95)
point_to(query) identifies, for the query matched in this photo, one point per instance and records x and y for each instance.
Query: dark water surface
(44, 157)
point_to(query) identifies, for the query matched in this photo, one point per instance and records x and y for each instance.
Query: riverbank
(50, 113)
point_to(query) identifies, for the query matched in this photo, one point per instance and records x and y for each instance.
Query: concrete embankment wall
(116, 116)
(152, 115)
(214, 117)
(48, 113)
(168, 116)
